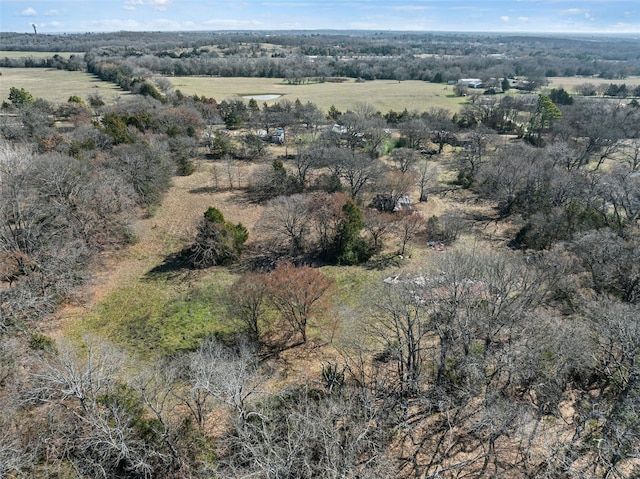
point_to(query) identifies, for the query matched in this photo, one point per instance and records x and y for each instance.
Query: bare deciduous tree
(302, 433)
(300, 294)
(289, 219)
(247, 303)
(415, 131)
(226, 376)
(402, 326)
(94, 421)
(612, 261)
(378, 224)
(408, 227)
(359, 170)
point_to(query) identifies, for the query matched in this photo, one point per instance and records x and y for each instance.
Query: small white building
(471, 82)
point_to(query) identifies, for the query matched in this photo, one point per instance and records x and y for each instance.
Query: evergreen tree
(217, 242)
(351, 248)
(559, 96)
(20, 97)
(543, 118)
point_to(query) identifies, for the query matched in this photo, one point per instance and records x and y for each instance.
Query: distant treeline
(336, 43)
(367, 55)
(73, 63)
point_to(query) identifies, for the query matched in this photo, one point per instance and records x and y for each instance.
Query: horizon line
(342, 30)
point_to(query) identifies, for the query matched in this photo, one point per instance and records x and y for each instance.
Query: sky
(543, 16)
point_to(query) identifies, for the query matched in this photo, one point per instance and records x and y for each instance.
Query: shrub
(20, 96)
(75, 99)
(40, 342)
(445, 228)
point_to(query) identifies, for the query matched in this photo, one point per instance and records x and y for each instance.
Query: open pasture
(22, 54)
(56, 85)
(570, 83)
(384, 95)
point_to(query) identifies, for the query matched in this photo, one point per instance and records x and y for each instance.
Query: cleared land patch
(21, 54)
(570, 83)
(384, 95)
(56, 85)
(140, 304)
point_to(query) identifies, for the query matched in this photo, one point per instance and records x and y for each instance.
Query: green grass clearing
(158, 318)
(351, 283)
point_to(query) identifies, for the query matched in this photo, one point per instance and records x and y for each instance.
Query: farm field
(21, 54)
(384, 95)
(570, 83)
(56, 85)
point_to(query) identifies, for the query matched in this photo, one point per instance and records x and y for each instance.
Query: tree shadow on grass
(174, 266)
(239, 195)
(383, 262)
(204, 190)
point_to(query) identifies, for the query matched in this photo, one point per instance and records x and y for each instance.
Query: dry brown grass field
(384, 95)
(570, 83)
(56, 85)
(19, 54)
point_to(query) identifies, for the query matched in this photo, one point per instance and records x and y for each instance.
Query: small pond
(261, 97)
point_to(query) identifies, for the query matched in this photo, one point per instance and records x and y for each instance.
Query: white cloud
(224, 23)
(28, 12)
(625, 27)
(505, 18)
(410, 8)
(52, 13)
(572, 11)
(164, 24)
(114, 24)
(132, 4)
(291, 4)
(364, 25)
(128, 24)
(523, 19)
(161, 5)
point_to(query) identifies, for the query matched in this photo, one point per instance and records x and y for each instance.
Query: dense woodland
(300, 56)
(473, 354)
